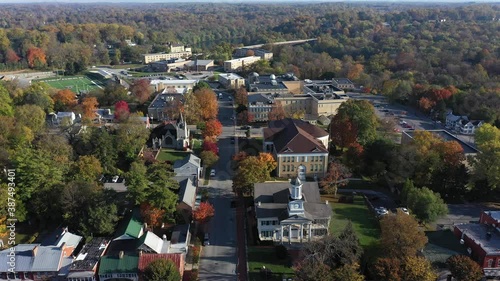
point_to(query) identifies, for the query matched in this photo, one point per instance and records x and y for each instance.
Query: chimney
(145, 227)
(120, 255)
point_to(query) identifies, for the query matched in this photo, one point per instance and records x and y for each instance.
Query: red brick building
(483, 241)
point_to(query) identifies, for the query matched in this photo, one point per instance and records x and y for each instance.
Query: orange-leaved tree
(208, 105)
(140, 89)
(151, 215)
(277, 112)
(89, 107)
(36, 57)
(204, 212)
(65, 99)
(213, 129)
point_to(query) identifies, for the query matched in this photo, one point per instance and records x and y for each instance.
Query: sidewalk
(240, 232)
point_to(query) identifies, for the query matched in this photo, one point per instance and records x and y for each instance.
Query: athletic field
(74, 83)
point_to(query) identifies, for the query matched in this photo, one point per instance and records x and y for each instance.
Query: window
(312, 167)
(490, 263)
(284, 168)
(293, 168)
(293, 158)
(303, 159)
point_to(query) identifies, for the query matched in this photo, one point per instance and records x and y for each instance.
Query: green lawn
(365, 224)
(74, 83)
(171, 155)
(266, 256)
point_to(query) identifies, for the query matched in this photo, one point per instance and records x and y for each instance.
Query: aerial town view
(249, 140)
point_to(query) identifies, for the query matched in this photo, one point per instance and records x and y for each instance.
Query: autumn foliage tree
(464, 268)
(208, 158)
(408, 268)
(122, 110)
(213, 129)
(204, 212)
(89, 107)
(209, 145)
(151, 215)
(406, 241)
(36, 57)
(253, 169)
(64, 100)
(208, 106)
(11, 56)
(336, 176)
(140, 90)
(277, 112)
(241, 96)
(343, 132)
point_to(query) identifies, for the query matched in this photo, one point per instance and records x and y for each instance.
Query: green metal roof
(114, 264)
(131, 226)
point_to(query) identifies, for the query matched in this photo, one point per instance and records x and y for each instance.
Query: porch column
(301, 232)
(310, 231)
(289, 234)
(281, 234)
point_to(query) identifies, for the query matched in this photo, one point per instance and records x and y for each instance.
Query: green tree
(312, 271)
(101, 219)
(253, 169)
(132, 135)
(464, 268)
(137, 182)
(38, 94)
(401, 235)
(161, 270)
(426, 204)
(201, 85)
(30, 116)
(209, 158)
(87, 168)
(417, 268)
(6, 106)
(362, 115)
(487, 163)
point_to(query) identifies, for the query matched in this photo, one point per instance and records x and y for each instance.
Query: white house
(462, 124)
(290, 211)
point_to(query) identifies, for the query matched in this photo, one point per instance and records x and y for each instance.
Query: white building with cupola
(290, 212)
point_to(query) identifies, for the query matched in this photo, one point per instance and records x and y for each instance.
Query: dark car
(232, 140)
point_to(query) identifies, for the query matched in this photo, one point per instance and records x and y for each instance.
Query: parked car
(233, 140)
(206, 240)
(246, 127)
(404, 210)
(212, 173)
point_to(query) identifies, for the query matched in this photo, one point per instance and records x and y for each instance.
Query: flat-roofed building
(231, 80)
(263, 54)
(239, 64)
(161, 84)
(148, 58)
(199, 65)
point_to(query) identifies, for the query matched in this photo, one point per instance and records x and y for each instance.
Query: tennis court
(75, 83)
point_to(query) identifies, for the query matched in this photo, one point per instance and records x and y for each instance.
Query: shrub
(281, 252)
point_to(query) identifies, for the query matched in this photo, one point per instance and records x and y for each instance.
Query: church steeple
(296, 189)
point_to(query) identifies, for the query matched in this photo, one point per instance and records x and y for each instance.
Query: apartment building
(263, 54)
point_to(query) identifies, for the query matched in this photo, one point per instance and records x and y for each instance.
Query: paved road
(219, 260)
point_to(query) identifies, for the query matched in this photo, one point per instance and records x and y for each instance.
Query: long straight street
(219, 260)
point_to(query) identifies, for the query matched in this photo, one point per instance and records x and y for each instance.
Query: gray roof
(190, 159)
(187, 192)
(478, 233)
(258, 98)
(493, 214)
(342, 80)
(274, 198)
(47, 259)
(71, 240)
(199, 62)
(24, 258)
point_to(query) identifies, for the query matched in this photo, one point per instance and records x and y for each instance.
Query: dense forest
(434, 57)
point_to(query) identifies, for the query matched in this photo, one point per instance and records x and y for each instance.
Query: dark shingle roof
(295, 136)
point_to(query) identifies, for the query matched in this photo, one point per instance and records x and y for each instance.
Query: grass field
(74, 83)
(364, 223)
(171, 155)
(266, 256)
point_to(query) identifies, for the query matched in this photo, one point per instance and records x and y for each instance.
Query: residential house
(49, 260)
(84, 266)
(187, 197)
(122, 259)
(482, 241)
(231, 81)
(298, 147)
(290, 211)
(462, 124)
(164, 105)
(103, 115)
(62, 118)
(188, 167)
(240, 64)
(343, 83)
(171, 134)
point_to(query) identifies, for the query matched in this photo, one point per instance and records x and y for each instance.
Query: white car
(405, 210)
(206, 240)
(212, 173)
